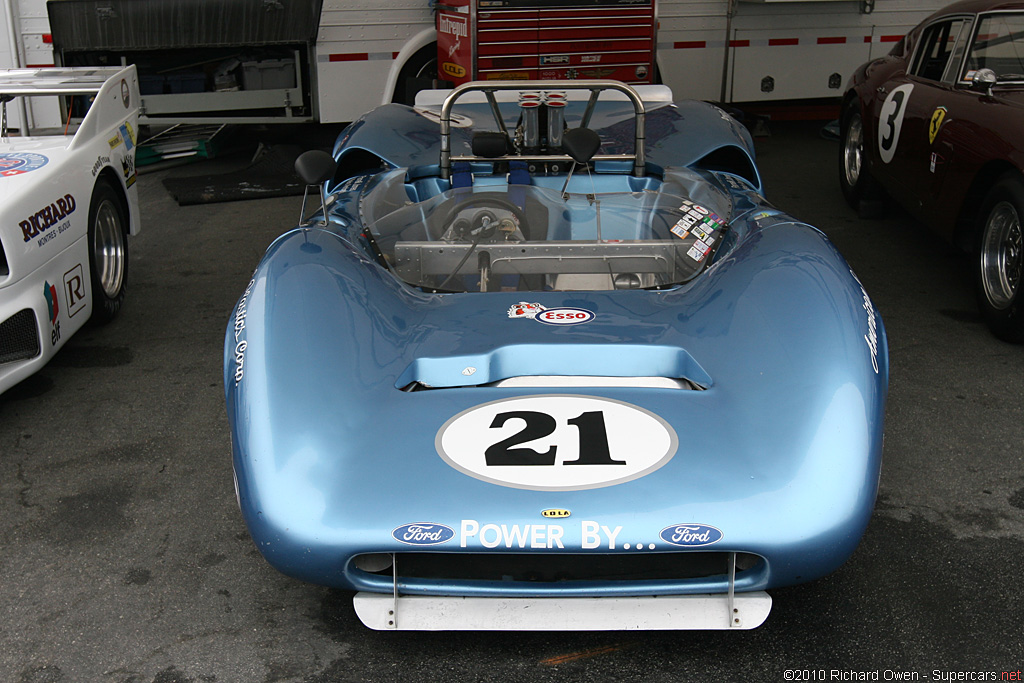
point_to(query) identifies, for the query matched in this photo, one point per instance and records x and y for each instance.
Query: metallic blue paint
(780, 453)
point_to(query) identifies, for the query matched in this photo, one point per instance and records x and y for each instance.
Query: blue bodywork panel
(360, 401)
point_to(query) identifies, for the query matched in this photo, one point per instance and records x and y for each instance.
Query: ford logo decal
(691, 535)
(423, 533)
(564, 316)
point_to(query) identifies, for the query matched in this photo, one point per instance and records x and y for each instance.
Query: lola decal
(556, 442)
(691, 535)
(423, 533)
(16, 163)
(890, 121)
(47, 217)
(564, 316)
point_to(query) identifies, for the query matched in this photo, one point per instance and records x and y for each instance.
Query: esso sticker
(556, 442)
(564, 316)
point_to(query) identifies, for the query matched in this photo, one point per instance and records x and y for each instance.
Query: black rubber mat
(271, 174)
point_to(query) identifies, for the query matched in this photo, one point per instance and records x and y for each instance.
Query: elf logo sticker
(53, 309)
(564, 316)
(556, 442)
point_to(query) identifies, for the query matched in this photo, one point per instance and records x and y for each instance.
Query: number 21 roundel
(556, 442)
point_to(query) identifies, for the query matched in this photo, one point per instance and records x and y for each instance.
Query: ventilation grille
(550, 569)
(19, 337)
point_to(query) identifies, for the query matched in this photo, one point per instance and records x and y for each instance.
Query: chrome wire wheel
(108, 248)
(1001, 255)
(853, 150)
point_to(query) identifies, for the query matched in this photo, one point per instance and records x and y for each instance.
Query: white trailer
(27, 44)
(349, 56)
(752, 51)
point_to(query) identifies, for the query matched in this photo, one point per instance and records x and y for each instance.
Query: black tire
(108, 251)
(854, 175)
(419, 73)
(998, 258)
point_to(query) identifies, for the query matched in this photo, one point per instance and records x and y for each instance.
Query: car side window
(939, 44)
(999, 46)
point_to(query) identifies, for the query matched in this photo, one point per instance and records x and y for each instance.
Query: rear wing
(114, 92)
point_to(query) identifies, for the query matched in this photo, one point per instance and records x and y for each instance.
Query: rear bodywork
(557, 459)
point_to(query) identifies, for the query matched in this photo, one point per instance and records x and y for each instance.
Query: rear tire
(998, 258)
(108, 251)
(419, 73)
(859, 188)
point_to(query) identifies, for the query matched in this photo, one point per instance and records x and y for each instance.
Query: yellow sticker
(452, 69)
(938, 116)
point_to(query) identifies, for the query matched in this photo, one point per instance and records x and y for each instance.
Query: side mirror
(983, 80)
(581, 144)
(315, 167)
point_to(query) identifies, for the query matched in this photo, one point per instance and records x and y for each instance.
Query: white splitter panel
(384, 612)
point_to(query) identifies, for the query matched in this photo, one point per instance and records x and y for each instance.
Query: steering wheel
(486, 201)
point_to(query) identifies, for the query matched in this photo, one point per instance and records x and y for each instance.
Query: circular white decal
(556, 442)
(890, 121)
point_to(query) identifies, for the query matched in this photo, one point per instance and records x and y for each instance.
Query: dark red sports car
(938, 124)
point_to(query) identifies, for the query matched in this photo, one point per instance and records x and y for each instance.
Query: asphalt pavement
(123, 556)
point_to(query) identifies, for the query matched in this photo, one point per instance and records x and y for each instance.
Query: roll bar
(595, 86)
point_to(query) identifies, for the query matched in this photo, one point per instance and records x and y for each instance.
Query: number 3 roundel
(890, 121)
(556, 442)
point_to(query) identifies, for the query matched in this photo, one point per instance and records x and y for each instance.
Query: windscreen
(999, 45)
(528, 238)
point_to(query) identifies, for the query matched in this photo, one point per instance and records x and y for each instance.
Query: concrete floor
(123, 556)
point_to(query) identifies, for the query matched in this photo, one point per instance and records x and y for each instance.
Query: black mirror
(581, 144)
(315, 167)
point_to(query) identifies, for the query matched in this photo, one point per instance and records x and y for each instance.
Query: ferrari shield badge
(938, 116)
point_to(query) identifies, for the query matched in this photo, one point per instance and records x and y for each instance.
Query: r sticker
(890, 121)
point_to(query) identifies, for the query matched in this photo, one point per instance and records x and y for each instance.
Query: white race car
(67, 205)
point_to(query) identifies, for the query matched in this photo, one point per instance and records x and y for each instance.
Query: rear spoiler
(114, 91)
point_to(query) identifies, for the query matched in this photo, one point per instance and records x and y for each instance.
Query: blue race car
(546, 359)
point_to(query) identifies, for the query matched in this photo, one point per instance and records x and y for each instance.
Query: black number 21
(593, 440)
